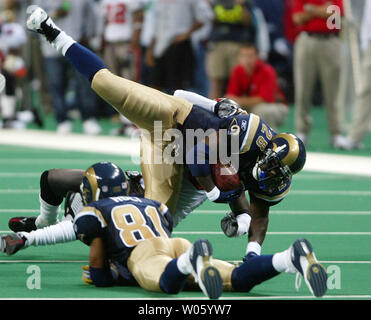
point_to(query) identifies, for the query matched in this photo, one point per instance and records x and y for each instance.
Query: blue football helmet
(284, 156)
(103, 180)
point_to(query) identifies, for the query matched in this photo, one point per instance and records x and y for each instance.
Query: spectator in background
(122, 25)
(72, 16)
(146, 39)
(362, 110)
(170, 53)
(281, 52)
(233, 26)
(254, 85)
(316, 57)
(12, 39)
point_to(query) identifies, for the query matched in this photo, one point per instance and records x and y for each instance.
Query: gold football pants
(144, 106)
(149, 259)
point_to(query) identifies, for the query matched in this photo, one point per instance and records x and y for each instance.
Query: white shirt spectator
(176, 17)
(119, 19)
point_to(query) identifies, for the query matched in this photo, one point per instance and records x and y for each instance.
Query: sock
(282, 262)
(252, 272)
(85, 61)
(197, 99)
(58, 233)
(255, 247)
(172, 279)
(63, 42)
(183, 264)
(48, 214)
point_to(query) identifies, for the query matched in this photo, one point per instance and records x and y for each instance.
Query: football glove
(136, 185)
(227, 107)
(235, 226)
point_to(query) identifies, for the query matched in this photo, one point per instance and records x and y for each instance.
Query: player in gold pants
(144, 106)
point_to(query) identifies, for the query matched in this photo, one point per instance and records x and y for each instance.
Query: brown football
(225, 176)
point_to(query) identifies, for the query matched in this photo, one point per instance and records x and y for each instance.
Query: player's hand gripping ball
(225, 177)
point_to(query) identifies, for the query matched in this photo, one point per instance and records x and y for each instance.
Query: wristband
(243, 221)
(213, 194)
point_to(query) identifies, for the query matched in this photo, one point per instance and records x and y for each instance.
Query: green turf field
(333, 211)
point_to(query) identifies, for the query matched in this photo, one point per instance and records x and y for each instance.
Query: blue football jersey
(122, 222)
(252, 134)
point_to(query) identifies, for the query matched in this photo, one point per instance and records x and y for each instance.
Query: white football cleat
(205, 274)
(40, 22)
(305, 263)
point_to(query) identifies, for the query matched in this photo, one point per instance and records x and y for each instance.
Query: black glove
(226, 108)
(136, 185)
(229, 225)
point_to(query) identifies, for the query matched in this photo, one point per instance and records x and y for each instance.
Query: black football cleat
(25, 224)
(11, 243)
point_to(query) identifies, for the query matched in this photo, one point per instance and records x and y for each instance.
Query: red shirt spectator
(253, 81)
(315, 24)
(290, 28)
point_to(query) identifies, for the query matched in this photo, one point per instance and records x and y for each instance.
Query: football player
(130, 244)
(267, 160)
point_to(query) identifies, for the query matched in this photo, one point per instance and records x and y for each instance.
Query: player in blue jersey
(130, 244)
(266, 160)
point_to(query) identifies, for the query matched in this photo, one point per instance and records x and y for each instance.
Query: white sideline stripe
(72, 142)
(316, 162)
(296, 192)
(59, 161)
(218, 212)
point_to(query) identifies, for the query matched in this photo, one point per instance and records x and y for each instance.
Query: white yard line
(361, 193)
(218, 212)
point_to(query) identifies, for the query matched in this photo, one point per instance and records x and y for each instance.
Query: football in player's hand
(225, 177)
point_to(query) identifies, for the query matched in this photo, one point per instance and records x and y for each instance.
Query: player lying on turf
(266, 160)
(130, 244)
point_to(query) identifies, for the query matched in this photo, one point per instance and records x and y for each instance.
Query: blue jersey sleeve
(88, 224)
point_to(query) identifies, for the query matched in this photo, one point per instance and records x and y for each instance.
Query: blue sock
(252, 272)
(84, 60)
(172, 280)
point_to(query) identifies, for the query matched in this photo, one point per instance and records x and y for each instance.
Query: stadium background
(329, 204)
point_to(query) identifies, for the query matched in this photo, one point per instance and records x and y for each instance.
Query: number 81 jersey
(122, 222)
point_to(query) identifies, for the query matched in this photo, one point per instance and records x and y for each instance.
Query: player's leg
(299, 258)
(58, 233)
(140, 104)
(163, 265)
(54, 185)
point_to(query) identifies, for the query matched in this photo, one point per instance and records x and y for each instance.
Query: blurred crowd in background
(268, 55)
